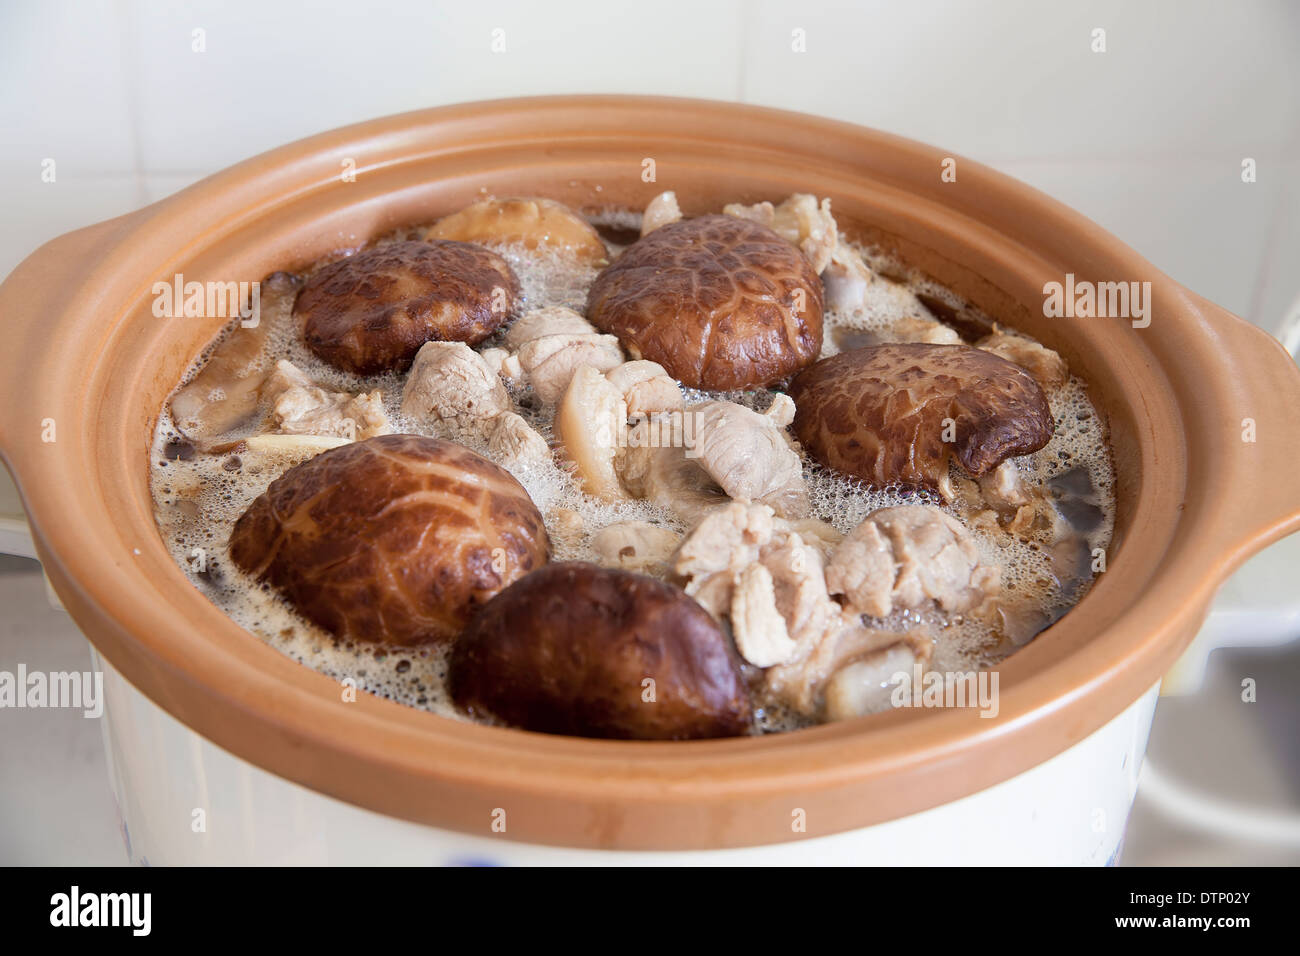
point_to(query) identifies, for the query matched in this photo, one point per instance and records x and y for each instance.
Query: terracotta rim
(84, 350)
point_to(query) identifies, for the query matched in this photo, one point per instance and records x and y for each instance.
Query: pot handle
(36, 288)
(1267, 412)
(1259, 606)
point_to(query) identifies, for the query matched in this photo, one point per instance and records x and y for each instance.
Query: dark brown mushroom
(577, 649)
(720, 302)
(897, 413)
(396, 539)
(371, 312)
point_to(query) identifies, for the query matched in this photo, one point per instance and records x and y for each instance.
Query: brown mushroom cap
(879, 413)
(371, 312)
(532, 223)
(572, 648)
(396, 539)
(720, 302)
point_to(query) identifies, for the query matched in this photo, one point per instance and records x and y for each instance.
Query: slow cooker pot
(203, 715)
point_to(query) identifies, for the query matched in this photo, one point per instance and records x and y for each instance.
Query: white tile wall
(1017, 79)
(34, 212)
(1193, 218)
(1147, 138)
(274, 72)
(63, 90)
(1277, 292)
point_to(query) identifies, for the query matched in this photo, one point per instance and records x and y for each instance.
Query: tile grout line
(742, 52)
(125, 38)
(1271, 324)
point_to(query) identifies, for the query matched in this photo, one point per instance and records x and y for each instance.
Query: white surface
(56, 804)
(186, 802)
(1146, 139)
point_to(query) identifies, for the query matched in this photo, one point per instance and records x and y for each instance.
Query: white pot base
(184, 801)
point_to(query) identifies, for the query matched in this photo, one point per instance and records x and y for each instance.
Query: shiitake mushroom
(372, 311)
(897, 413)
(396, 539)
(720, 302)
(531, 223)
(574, 648)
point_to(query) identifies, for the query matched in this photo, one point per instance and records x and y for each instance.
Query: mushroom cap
(529, 222)
(572, 647)
(721, 303)
(371, 312)
(397, 539)
(879, 413)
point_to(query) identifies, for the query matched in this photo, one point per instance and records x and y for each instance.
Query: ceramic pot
(86, 363)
